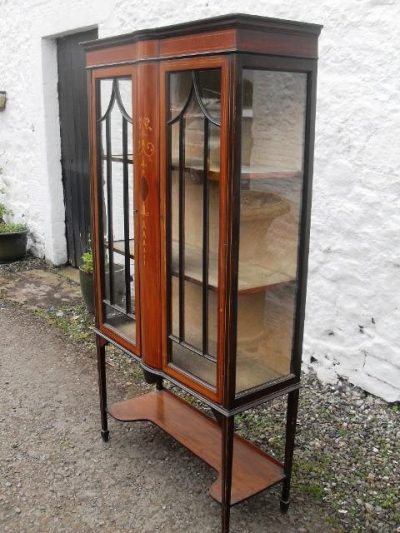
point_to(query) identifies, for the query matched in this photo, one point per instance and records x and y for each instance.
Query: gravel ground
(57, 475)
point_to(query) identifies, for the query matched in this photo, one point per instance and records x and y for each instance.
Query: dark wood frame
(96, 195)
(292, 381)
(231, 42)
(221, 62)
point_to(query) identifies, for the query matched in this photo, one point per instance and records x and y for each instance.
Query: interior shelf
(252, 278)
(119, 247)
(119, 158)
(248, 172)
(253, 469)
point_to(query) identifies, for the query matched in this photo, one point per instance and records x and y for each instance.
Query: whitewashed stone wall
(353, 317)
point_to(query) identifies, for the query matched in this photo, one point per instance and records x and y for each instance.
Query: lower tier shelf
(253, 469)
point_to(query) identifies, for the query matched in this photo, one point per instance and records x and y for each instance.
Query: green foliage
(9, 227)
(3, 211)
(316, 491)
(73, 321)
(87, 262)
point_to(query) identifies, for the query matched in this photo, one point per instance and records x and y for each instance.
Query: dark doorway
(72, 94)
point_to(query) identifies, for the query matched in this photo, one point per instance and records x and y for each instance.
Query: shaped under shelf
(253, 469)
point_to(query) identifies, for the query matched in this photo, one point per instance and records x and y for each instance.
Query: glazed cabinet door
(193, 126)
(274, 207)
(114, 203)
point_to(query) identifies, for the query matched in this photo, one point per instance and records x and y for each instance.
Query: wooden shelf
(119, 247)
(253, 172)
(252, 278)
(253, 469)
(119, 158)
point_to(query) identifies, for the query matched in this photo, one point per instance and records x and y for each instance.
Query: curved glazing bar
(116, 97)
(195, 89)
(184, 108)
(200, 100)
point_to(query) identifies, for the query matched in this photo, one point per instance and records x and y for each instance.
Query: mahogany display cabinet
(201, 139)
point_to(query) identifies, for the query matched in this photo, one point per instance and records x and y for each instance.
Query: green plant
(87, 262)
(3, 211)
(9, 227)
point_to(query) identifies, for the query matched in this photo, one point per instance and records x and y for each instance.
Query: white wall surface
(353, 317)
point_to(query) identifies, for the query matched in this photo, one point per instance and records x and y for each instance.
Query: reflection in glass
(273, 121)
(116, 163)
(193, 232)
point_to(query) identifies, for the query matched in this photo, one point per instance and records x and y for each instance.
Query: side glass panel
(114, 121)
(273, 127)
(193, 191)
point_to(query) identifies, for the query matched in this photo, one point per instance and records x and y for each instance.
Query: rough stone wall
(352, 320)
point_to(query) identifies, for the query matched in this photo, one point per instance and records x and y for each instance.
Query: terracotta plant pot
(13, 246)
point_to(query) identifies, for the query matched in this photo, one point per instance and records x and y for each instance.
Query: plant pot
(87, 286)
(87, 289)
(13, 246)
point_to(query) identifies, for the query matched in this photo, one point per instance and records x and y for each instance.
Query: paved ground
(40, 289)
(57, 475)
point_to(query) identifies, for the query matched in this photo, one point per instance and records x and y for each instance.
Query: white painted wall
(353, 317)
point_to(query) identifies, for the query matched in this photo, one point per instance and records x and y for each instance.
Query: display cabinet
(201, 160)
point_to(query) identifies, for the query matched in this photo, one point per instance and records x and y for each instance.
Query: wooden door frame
(74, 141)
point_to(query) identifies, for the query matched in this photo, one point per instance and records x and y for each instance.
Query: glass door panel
(193, 192)
(114, 121)
(273, 129)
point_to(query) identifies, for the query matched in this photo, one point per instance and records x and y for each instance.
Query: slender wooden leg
(291, 420)
(226, 474)
(101, 368)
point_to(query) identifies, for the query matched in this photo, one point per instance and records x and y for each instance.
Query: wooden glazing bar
(181, 229)
(128, 303)
(168, 231)
(205, 236)
(109, 209)
(97, 194)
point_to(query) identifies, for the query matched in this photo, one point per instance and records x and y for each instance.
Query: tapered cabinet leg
(226, 473)
(101, 368)
(291, 420)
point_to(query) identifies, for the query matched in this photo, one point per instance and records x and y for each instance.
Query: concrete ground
(57, 475)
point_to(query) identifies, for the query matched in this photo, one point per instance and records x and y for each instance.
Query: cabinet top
(226, 33)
